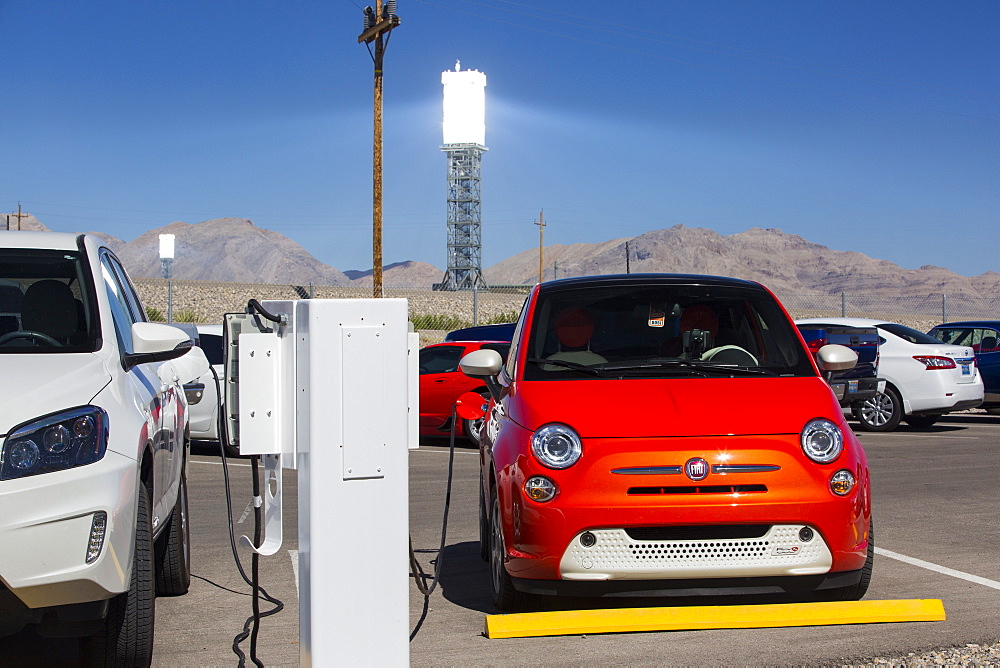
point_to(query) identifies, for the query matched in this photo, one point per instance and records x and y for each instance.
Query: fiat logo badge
(696, 468)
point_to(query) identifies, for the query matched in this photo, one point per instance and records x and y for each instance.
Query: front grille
(699, 489)
(705, 532)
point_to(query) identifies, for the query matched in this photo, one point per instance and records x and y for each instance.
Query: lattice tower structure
(465, 271)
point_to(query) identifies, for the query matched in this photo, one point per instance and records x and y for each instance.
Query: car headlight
(556, 446)
(822, 441)
(63, 440)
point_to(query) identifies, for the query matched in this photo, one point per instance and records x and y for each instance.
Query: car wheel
(505, 597)
(127, 636)
(856, 591)
(471, 428)
(484, 526)
(921, 421)
(881, 412)
(173, 550)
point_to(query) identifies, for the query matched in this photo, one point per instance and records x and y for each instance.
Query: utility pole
(628, 269)
(378, 23)
(19, 217)
(541, 227)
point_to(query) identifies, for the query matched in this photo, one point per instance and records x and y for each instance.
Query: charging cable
(419, 576)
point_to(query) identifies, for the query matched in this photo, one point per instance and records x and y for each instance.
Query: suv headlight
(822, 441)
(556, 446)
(55, 442)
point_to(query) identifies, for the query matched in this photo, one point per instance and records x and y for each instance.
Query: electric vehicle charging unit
(330, 390)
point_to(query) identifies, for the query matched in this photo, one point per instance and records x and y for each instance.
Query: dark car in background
(983, 336)
(861, 382)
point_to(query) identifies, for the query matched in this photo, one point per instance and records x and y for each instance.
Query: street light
(166, 262)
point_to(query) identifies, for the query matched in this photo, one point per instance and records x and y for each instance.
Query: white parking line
(938, 569)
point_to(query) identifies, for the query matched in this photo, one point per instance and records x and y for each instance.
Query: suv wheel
(173, 550)
(881, 412)
(127, 636)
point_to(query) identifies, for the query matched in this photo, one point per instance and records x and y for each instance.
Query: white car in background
(925, 378)
(93, 449)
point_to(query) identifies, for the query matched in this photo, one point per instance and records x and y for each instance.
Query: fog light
(97, 530)
(805, 534)
(588, 539)
(539, 488)
(842, 482)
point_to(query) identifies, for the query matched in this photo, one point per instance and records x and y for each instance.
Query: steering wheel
(29, 334)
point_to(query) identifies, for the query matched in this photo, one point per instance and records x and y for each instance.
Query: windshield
(46, 305)
(661, 330)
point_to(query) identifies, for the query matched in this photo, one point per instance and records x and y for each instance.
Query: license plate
(966, 369)
(852, 386)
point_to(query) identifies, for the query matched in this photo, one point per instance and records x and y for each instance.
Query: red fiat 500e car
(667, 434)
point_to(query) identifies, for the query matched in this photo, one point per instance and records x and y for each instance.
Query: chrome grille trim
(744, 468)
(649, 470)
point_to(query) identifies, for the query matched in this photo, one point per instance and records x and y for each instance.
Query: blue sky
(865, 126)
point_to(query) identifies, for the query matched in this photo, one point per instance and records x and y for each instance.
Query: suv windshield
(46, 303)
(662, 331)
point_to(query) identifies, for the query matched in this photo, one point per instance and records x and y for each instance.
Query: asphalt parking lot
(937, 535)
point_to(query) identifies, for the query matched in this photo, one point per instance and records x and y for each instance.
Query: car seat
(49, 307)
(573, 328)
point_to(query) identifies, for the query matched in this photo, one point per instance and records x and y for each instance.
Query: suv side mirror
(834, 357)
(481, 363)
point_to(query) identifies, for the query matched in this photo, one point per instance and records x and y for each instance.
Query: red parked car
(667, 434)
(441, 383)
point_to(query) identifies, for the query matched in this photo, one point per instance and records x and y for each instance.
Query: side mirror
(481, 363)
(833, 357)
(154, 342)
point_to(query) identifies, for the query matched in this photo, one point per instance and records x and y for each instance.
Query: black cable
(254, 305)
(223, 433)
(418, 573)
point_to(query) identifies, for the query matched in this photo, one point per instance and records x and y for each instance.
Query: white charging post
(328, 393)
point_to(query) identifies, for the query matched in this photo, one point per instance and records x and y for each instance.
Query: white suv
(93, 430)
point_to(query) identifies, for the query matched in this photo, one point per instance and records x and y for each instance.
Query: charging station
(325, 387)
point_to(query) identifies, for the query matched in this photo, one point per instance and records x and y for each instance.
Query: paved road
(935, 501)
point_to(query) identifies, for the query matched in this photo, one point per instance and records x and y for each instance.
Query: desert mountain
(234, 249)
(786, 263)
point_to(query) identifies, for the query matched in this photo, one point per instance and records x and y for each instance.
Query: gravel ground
(966, 655)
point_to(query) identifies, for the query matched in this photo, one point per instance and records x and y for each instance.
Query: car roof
(645, 279)
(40, 240)
(970, 323)
(848, 322)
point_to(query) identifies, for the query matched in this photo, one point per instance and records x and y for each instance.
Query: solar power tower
(464, 139)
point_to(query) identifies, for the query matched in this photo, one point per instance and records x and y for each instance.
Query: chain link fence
(435, 313)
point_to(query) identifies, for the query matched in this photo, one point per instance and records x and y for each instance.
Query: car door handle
(441, 380)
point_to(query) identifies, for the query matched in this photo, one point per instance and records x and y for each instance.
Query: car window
(212, 345)
(46, 302)
(980, 339)
(440, 359)
(908, 333)
(502, 348)
(120, 312)
(654, 327)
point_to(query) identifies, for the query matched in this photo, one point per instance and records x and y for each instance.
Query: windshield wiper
(566, 364)
(692, 366)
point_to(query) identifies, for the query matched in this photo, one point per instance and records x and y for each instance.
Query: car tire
(881, 412)
(856, 591)
(173, 550)
(471, 428)
(505, 597)
(921, 421)
(484, 526)
(127, 636)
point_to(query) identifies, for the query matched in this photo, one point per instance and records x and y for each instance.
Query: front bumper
(45, 524)
(543, 543)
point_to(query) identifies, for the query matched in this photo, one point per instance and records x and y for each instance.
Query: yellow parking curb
(633, 620)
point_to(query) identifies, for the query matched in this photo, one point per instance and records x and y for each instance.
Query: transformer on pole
(464, 138)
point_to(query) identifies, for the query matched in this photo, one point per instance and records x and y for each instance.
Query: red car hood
(645, 408)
